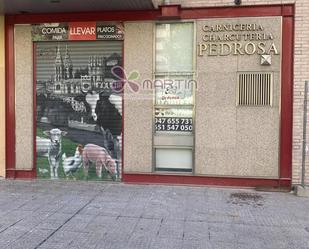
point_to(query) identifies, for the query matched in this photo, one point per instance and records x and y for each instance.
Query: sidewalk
(95, 215)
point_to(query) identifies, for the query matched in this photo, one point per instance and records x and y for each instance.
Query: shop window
(174, 96)
(174, 47)
(174, 90)
(174, 159)
(174, 120)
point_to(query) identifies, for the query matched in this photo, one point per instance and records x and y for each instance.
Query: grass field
(68, 147)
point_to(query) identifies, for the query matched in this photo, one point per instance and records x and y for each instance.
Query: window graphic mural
(78, 110)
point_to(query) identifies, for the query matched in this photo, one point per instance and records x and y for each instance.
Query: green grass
(68, 147)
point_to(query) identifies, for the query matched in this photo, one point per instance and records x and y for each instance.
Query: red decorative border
(139, 15)
(9, 98)
(20, 174)
(286, 129)
(286, 11)
(204, 180)
(34, 109)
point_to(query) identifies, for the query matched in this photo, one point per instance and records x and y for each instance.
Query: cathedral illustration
(96, 75)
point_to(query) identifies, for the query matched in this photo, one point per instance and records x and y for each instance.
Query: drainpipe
(305, 149)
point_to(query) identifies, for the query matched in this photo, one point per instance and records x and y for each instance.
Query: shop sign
(174, 91)
(173, 124)
(82, 31)
(109, 32)
(50, 32)
(173, 119)
(236, 39)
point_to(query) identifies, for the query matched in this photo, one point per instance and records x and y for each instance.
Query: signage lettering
(77, 31)
(225, 49)
(233, 27)
(236, 39)
(82, 31)
(50, 30)
(174, 124)
(106, 29)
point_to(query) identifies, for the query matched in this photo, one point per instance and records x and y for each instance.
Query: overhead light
(54, 1)
(237, 2)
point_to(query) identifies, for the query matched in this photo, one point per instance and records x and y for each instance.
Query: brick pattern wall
(301, 67)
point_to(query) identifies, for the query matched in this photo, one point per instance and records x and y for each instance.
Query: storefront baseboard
(140, 178)
(22, 174)
(204, 180)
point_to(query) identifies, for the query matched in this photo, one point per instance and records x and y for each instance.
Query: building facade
(190, 92)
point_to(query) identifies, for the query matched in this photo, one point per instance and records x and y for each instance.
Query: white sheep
(52, 148)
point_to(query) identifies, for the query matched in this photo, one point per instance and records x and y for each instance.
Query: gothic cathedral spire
(68, 66)
(58, 65)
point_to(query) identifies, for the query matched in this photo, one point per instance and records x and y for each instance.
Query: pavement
(97, 215)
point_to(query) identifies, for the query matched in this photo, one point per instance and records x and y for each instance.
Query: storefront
(170, 95)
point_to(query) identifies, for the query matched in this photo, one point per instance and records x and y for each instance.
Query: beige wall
(236, 140)
(24, 96)
(138, 55)
(2, 99)
(301, 72)
(229, 141)
(138, 108)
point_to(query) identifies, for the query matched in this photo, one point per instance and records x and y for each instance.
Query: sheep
(52, 147)
(100, 157)
(42, 145)
(73, 163)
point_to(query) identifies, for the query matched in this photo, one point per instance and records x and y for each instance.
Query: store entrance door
(78, 110)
